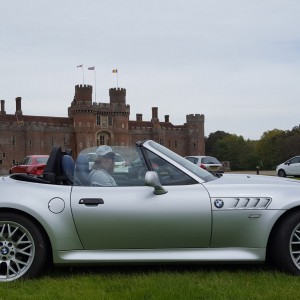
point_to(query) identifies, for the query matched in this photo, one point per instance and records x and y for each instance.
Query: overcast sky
(235, 61)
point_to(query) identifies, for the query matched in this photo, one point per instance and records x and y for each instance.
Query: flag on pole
(80, 66)
(91, 68)
(115, 70)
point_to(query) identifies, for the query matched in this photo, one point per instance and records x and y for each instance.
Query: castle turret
(83, 94)
(117, 95)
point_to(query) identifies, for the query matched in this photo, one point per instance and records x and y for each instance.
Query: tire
(281, 173)
(23, 251)
(284, 245)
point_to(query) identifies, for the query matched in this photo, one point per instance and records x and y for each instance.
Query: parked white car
(289, 168)
(209, 163)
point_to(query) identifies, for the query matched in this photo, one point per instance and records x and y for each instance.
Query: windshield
(203, 174)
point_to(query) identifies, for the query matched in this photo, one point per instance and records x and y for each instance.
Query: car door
(133, 217)
(293, 166)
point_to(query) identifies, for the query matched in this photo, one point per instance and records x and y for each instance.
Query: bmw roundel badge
(219, 203)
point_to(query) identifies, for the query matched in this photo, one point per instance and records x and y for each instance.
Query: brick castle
(91, 124)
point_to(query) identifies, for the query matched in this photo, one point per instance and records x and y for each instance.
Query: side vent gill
(242, 203)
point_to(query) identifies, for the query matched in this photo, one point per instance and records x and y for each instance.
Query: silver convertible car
(163, 209)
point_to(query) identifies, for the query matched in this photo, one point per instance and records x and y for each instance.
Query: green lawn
(151, 282)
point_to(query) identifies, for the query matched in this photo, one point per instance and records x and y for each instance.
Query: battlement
(117, 95)
(83, 86)
(83, 92)
(195, 118)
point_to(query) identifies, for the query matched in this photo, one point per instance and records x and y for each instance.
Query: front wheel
(23, 251)
(284, 245)
(281, 173)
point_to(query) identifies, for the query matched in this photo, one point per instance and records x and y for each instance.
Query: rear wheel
(23, 251)
(281, 173)
(284, 246)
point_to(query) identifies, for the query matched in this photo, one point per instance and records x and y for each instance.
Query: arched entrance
(103, 138)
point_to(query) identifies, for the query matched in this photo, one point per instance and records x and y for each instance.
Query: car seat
(68, 166)
(82, 171)
(60, 167)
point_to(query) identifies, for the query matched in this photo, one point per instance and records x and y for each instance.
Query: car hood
(254, 179)
(284, 190)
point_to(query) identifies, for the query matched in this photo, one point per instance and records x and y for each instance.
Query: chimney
(154, 114)
(18, 106)
(139, 117)
(3, 107)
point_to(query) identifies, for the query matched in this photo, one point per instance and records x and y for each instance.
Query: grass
(164, 282)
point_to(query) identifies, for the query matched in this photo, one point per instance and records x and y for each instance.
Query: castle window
(175, 144)
(79, 124)
(195, 144)
(13, 141)
(109, 121)
(3, 154)
(0, 161)
(123, 125)
(52, 141)
(98, 120)
(169, 143)
(30, 143)
(104, 121)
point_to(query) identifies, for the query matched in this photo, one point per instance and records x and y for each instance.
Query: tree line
(274, 147)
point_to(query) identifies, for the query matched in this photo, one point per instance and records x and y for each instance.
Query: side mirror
(151, 179)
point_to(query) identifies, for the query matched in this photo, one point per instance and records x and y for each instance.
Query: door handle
(91, 201)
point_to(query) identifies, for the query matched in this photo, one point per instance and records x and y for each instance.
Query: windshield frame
(179, 161)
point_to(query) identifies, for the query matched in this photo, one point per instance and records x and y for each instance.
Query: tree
(271, 148)
(241, 154)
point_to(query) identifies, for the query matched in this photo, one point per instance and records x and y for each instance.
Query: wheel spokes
(16, 250)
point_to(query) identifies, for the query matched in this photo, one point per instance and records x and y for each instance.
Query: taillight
(203, 166)
(37, 170)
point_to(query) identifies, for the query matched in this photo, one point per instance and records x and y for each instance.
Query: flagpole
(95, 82)
(94, 69)
(81, 66)
(115, 71)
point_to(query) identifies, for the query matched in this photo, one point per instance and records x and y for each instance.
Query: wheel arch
(277, 225)
(283, 171)
(36, 223)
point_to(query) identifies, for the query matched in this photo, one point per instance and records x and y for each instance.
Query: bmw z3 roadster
(161, 209)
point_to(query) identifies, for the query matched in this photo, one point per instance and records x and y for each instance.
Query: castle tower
(83, 94)
(117, 95)
(195, 134)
